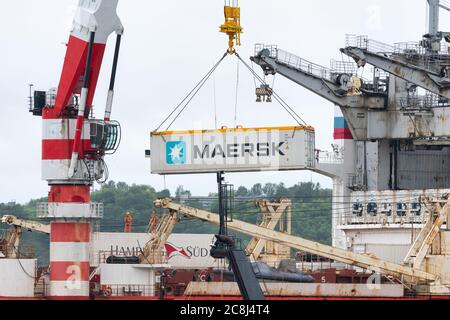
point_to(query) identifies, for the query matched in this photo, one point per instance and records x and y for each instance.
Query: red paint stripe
(62, 149)
(69, 194)
(73, 70)
(69, 298)
(343, 134)
(62, 271)
(70, 232)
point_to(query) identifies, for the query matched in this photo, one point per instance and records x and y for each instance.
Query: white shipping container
(233, 150)
(17, 278)
(185, 251)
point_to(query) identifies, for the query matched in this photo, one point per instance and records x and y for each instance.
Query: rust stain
(398, 71)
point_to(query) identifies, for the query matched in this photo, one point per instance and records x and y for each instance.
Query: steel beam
(359, 260)
(426, 79)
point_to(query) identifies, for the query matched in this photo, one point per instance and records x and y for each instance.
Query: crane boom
(12, 241)
(341, 89)
(359, 260)
(26, 224)
(152, 252)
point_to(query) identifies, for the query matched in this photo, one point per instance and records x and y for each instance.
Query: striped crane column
(66, 149)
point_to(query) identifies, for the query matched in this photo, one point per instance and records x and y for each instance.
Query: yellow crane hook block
(232, 26)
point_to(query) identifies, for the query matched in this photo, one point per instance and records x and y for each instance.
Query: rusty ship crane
(363, 261)
(398, 150)
(74, 145)
(425, 64)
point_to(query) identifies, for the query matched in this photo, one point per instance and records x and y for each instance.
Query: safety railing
(47, 210)
(421, 102)
(130, 290)
(295, 62)
(417, 48)
(347, 67)
(272, 49)
(363, 42)
(329, 157)
(304, 65)
(414, 51)
(409, 48)
(383, 218)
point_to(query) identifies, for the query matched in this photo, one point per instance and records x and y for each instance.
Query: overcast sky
(168, 46)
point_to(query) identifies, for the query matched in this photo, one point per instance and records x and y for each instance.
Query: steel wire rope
(192, 93)
(283, 103)
(237, 94)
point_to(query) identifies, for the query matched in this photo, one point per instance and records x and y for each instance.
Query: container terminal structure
(390, 177)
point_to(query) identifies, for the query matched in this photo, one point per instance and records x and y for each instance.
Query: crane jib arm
(326, 251)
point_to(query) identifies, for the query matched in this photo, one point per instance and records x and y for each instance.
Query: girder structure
(351, 258)
(338, 88)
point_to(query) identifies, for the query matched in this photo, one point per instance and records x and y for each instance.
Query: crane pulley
(232, 25)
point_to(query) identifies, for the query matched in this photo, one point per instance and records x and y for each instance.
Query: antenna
(30, 97)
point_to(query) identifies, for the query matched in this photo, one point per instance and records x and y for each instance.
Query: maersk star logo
(176, 152)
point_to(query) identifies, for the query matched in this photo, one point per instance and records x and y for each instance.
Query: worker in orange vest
(128, 220)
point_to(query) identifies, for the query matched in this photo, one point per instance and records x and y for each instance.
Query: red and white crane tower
(74, 145)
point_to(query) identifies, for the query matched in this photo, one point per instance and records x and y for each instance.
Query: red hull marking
(62, 271)
(62, 149)
(216, 298)
(68, 298)
(69, 194)
(70, 232)
(74, 69)
(343, 134)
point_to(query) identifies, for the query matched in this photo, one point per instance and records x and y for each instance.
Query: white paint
(202, 152)
(70, 210)
(109, 103)
(63, 129)
(57, 170)
(15, 281)
(67, 289)
(69, 251)
(97, 16)
(126, 274)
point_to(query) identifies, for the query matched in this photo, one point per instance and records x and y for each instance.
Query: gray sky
(168, 46)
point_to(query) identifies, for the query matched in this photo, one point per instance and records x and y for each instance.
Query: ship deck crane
(340, 88)
(152, 251)
(359, 260)
(14, 235)
(423, 64)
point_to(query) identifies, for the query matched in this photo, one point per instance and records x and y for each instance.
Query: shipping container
(233, 150)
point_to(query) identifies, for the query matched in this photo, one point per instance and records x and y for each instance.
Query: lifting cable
(237, 95)
(215, 100)
(190, 95)
(283, 103)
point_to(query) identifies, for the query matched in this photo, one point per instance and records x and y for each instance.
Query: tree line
(311, 210)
